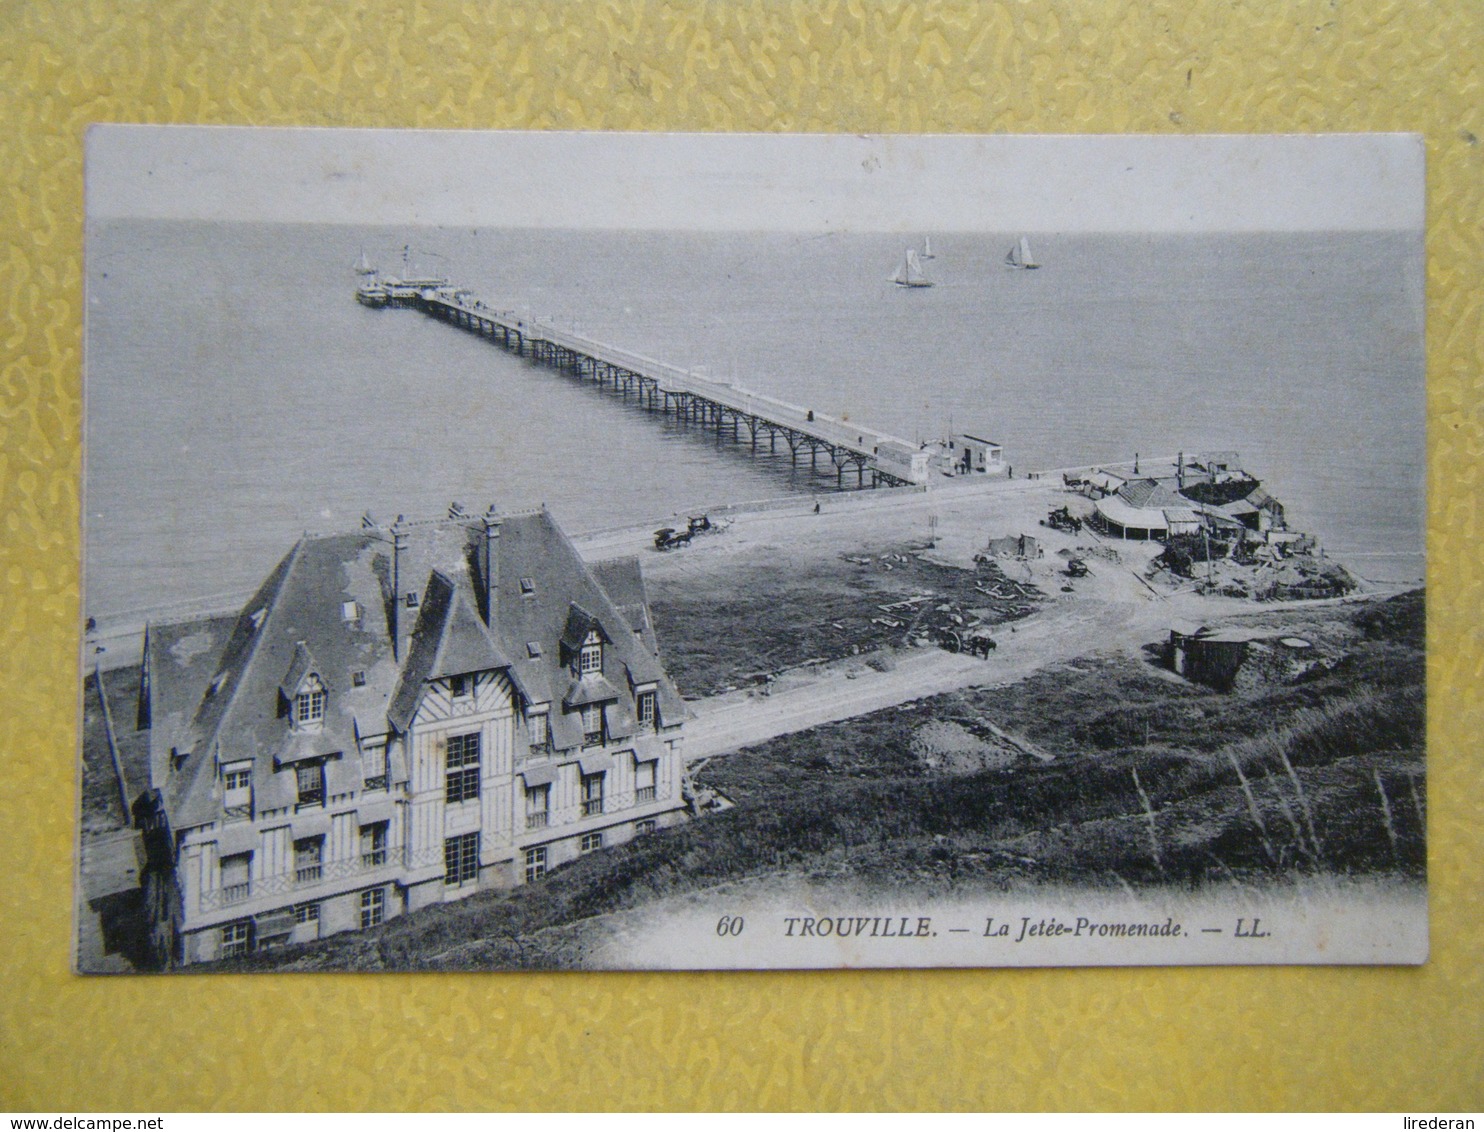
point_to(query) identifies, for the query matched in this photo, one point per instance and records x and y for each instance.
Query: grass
(1154, 781)
(775, 616)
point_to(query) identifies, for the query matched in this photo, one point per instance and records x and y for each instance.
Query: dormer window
(350, 611)
(459, 686)
(592, 725)
(528, 586)
(309, 704)
(591, 657)
(310, 780)
(237, 791)
(646, 708)
(536, 724)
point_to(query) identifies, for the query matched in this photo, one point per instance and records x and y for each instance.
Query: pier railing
(692, 397)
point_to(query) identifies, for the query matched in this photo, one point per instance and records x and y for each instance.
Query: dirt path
(1067, 630)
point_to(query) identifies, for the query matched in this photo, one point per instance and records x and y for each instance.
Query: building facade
(400, 716)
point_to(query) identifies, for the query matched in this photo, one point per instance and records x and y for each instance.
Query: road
(1065, 631)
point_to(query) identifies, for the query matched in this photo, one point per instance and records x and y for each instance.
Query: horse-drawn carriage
(1062, 519)
(668, 538)
(971, 641)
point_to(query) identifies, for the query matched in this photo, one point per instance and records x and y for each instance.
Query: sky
(752, 182)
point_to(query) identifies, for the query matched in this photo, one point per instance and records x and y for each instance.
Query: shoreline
(121, 635)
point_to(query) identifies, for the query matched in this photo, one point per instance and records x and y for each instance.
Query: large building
(399, 716)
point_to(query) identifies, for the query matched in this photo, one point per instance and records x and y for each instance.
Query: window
(309, 856)
(591, 657)
(373, 845)
(644, 779)
(373, 768)
(459, 686)
(591, 842)
(236, 878)
(592, 725)
(648, 825)
(309, 705)
(411, 599)
(236, 939)
(358, 678)
(592, 794)
(239, 776)
(350, 611)
(461, 859)
(463, 767)
(536, 724)
(646, 709)
(528, 586)
(538, 806)
(237, 791)
(535, 864)
(311, 780)
(373, 907)
(306, 913)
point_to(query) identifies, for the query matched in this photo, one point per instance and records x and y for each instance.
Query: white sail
(1019, 256)
(910, 274)
(364, 266)
(927, 248)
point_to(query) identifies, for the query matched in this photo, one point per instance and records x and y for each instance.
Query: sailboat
(364, 265)
(927, 248)
(910, 274)
(1019, 256)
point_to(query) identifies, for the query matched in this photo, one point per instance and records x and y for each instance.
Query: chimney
(399, 617)
(491, 563)
(1180, 470)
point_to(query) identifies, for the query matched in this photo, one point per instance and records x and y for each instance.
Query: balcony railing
(305, 876)
(236, 893)
(537, 820)
(375, 782)
(592, 807)
(592, 739)
(238, 813)
(643, 794)
(310, 800)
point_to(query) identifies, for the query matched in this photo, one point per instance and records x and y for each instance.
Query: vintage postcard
(595, 551)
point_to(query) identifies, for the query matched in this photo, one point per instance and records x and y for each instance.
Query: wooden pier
(740, 415)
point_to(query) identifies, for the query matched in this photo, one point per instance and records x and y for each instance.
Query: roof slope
(327, 609)
(298, 617)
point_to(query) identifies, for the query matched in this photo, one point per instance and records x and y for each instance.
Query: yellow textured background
(1296, 1038)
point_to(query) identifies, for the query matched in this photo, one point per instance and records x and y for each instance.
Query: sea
(237, 396)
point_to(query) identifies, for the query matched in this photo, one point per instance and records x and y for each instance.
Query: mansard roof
(329, 607)
(294, 624)
(532, 545)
